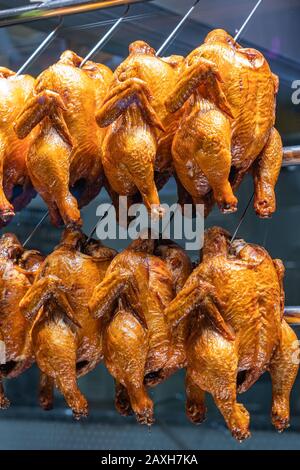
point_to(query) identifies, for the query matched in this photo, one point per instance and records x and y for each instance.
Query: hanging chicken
(137, 145)
(16, 190)
(66, 340)
(227, 128)
(137, 340)
(17, 270)
(66, 154)
(234, 302)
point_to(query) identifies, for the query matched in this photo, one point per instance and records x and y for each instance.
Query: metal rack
(61, 8)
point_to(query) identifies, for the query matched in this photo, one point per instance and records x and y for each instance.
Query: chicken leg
(55, 339)
(266, 170)
(283, 369)
(195, 403)
(46, 392)
(124, 335)
(209, 372)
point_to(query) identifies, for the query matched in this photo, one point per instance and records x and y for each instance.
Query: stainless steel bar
(55, 8)
(292, 314)
(291, 155)
(181, 22)
(40, 48)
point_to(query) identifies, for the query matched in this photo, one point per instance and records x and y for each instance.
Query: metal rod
(57, 8)
(291, 155)
(35, 228)
(181, 22)
(292, 315)
(105, 38)
(41, 47)
(247, 20)
(241, 219)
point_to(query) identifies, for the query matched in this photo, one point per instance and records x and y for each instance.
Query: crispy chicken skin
(137, 340)
(16, 190)
(137, 145)
(66, 340)
(234, 301)
(17, 270)
(227, 128)
(66, 154)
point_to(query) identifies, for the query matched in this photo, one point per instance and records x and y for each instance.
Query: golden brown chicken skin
(66, 340)
(234, 301)
(17, 270)
(66, 154)
(16, 190)
(228, 124)
(137, 145)
(137, 340)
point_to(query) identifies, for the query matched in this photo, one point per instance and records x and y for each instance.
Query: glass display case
(273, 29)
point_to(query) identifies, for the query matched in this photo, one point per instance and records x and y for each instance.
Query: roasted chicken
(227, 128)
(137, 145)
(234, 303)
(66, 154)
(16, 190)
(66, 340)
(137, 341)
(17, 270)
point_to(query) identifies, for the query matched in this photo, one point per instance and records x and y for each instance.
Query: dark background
(274, 30)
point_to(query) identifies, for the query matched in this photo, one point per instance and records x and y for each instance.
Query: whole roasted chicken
(137, 144)
(66, 154)
(137, 341)
(17, 270)
(66, 340)
(16, 190)
(234, 302)
(227, 128)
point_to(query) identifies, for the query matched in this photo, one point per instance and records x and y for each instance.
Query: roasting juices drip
(16, 190)
(227, 129)
(66, 340)
(234, 304)
(18, 268)
(66, 154)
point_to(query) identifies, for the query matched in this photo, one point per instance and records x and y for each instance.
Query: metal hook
(41, 47)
